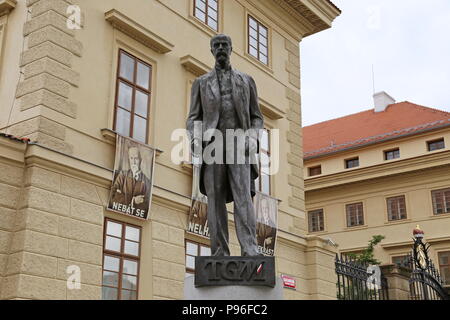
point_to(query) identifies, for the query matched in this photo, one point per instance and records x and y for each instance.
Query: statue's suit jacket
(205, 107)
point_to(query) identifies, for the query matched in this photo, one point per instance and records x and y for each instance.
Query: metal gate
(359, 281)
(425, 282)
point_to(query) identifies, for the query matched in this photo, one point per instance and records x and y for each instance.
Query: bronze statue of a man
(226, 99)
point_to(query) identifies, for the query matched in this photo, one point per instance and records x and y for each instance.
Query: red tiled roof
(399, 119)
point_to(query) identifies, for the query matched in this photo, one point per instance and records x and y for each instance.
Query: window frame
(312, 168)
(347, 161)
(433, 201)
(349, 205)
(121, 256)
(404, 262)
(446, 281)
(429, 143)
(135, 87)
(194, 7)
(322, 226)
(259, 24)
(199, 246)
(389, 216)
(389, 151)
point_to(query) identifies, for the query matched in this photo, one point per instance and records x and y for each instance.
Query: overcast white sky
(407, 41)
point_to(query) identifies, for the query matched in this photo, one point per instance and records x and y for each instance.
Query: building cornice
(409, 243)
(378, 171)
(6, 6)
(320, 14)
(12, 149)
(194, 66)
(136, 31)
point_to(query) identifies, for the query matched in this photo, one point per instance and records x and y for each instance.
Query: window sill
(440, 216)
(356, 228)
(317, 233)
(202, 26)
(398, 221)
(110, 137)
(259, 64)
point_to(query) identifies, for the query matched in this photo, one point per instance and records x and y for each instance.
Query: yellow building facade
(381, 172)
(60, 87)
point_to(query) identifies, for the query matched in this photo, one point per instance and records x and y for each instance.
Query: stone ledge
(271, 111)
(194, 66)
(111, 136)
(40, 124)
(51, 142)
(136, 31)
(6, 6)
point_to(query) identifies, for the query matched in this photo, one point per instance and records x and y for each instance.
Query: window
(444, 266)
(206, 12)
(121, 255)
(194, 249)
(263, 181)
(396, 207)
(258, 39)
(436, 145)
(441, 201)
(315, 171)
(352, 163)
(392, 154)
(403, 260)
(316, 221)
(132, 97)
(355, 214)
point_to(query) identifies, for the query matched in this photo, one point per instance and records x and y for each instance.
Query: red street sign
(288, 282)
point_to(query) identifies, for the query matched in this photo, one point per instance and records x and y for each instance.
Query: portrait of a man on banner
(266, 223)
(198, 220)
(131, 190)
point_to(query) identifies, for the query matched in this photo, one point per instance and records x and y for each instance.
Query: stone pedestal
(232, 292)
(398, 281)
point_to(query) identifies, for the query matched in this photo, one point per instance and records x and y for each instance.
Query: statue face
(221, 48)
(135, 159)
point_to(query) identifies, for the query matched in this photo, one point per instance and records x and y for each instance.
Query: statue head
(221, 48)
(134, 157)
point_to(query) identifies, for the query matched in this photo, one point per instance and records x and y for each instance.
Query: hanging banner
(266, 223)
(197, 220)
(131, 191)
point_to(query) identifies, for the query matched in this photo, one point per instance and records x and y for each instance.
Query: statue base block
(235, 271)
(232, 292)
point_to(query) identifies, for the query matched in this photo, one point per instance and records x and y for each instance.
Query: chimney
(382, 100)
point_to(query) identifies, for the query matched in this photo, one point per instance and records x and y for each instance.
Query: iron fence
(359, 281)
